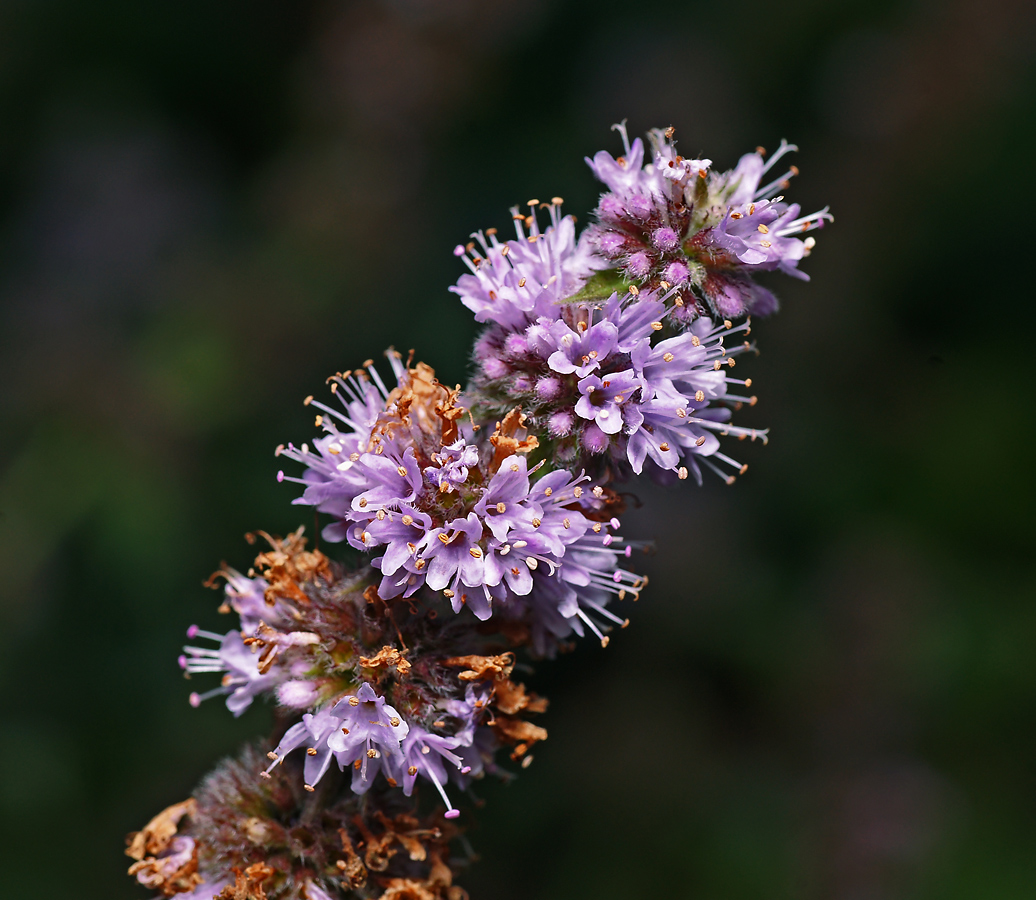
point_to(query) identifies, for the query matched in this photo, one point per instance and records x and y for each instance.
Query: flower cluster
(405, 476)
(676, 222)
(483, 524)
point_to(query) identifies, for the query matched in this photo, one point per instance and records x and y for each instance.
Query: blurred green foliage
(829, 689)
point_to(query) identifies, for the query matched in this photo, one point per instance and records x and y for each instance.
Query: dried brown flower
(477, 668)
(387, 656)
(248, 884)
(287, 563)
(154, 837)
(506, 440)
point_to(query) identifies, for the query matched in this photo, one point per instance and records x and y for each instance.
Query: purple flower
(428, 754)
(369, 730)
(242, 679)
(626, 176)
(602, 401)
(453, 554)
(513, 282)
(575, 597)
(389, 481)
(247, 673)
(580, 351)
(361, 731)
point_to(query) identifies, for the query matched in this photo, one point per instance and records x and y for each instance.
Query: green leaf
(598, 288)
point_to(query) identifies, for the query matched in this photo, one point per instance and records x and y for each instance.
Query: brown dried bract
(154, 837)
(154, 874)
(170, 874)
(387, 656)
(248, 885)
(421, 401)
(479, 667)
(511, 699)
(409, 889)
(439, 873)
(354, 872)
(449, 413)
(518, 731)
(412, 889)
(166, 875)
(287, 565)
(506, 440)
(404, 830)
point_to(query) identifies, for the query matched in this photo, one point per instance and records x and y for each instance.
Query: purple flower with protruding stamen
(313, 733)
(576, 599)
(431, 756)
(580, 351)
(601, 400)
(368, 730)
(242, 679)
(400, 533)
(452, 465)
(360, 728)
(453, 554)
(390, 482)
(514, 282)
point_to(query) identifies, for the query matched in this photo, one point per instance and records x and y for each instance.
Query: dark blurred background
(828, 691)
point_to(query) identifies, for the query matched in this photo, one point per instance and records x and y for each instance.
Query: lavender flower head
(676, 222)
(472, 521)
